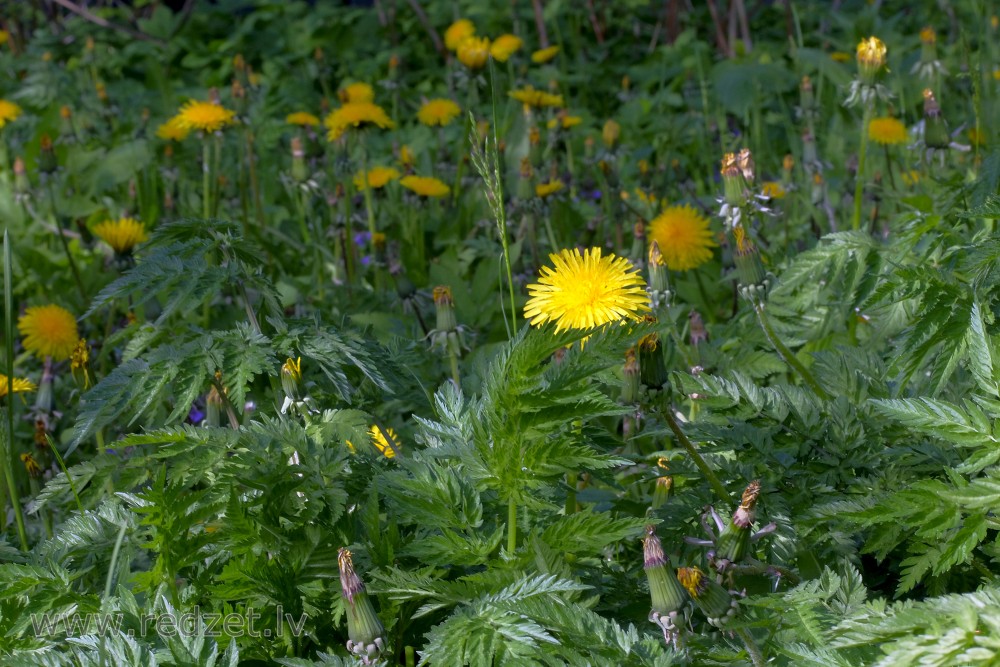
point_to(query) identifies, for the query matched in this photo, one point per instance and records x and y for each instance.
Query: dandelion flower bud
(871, 58)
(445, 306)
(630, 378)
(291, 378)
(610, 133)
(666, 593)
(935, 129)
(31, 465)
(80, 364)
(734, 541)
(715, 602)
(652, 369)
(366, 635)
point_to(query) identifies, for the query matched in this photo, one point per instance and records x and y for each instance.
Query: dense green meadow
(489, 332)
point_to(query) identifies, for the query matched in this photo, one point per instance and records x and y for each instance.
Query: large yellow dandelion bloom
(457, 33)
(887, 131)
(302, 118)
(377, 177)
(49, 331)
(173, 130)
(356, 114)
(586, 290)
(536, 98)
(380, 442)
(683, 236)
(545, 189)
(357, 92)
(122, 234)
(544, 55)
(438, 112)
(20, 385)
(205, 116)
(473, 52)
(8, 112)
(504, 47)
(425, 186)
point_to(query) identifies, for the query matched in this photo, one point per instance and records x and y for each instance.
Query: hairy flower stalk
(865, 90)
(366, 635)
(448, 335)
(666, 593)
(659, 281)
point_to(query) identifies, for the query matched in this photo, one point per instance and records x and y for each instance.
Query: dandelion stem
(756, 657)
(702, 465)
(63, 242)
(7, 442)
(62, 466)
(511, 525)
(786, 354)
(859, 182)
(205, 179)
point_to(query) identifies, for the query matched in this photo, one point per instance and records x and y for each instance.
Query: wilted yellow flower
(302, 118)
(438, 112)
(457, 33)
(122, 234)
(378, 177)
(205, 116)
(544, 55)
(8, 112)
(48, 331)
(586, 290)
(425, 186)
(772, 190)
(683, 236)
(536, 98)
(887, 131)
(504, 47)
(356, 93)
(31, 465)
(173, 130)
(355, 114)
(473, 52)
(20, 385)
(545, 189)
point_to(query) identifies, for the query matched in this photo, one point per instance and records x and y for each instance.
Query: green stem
(511, 525)
(709, 311)
(501, 208)
(454, 366)
(62, 466)
(571, 479)
(7, 442)
(64, 243)
(114, 560)
(713, 479)
(859, 183)
(206, 182)
(787, 354)
(756, 657)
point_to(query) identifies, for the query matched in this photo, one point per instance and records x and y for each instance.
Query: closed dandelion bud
(661, 491)
(213, 408)
(535, 146)
(291, 378)
(652, 369)
(806, 97)
(749, 267)
(445, 306)
(21, 183)
(871, 57)
(46, 155)
(659, 282)
(732, 180)
(610, 133)
(928, 45)
(379, 243)
(45, 398)
(65, 120)
(734, 542)
(393, 63)
(715, 602)
(638, 241)
(299, 171)
(818, 193)
(787, 165)
(809, 154)
(588, 146)
(525, 186)
(630, 378)
(935, 130)
(80, 365)
(366, 635)
(666, 593)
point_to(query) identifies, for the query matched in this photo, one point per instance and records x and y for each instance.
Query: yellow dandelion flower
(545, 189)
(536, 98)
(611, 132)
(31, 465)
(377, 178)
(927, 35)
(586, 290)
(683, 236)
(564, 121)
(406, 156)
(887, 131)
(380, 442)
(173, 130)
(205, 116)
(355, 114)
(357, 93)
(772, 190)
(4, 37)
(473, 52)
(692, 579)
(544, 55)
(457, 33)
(49, 331)
(302, 118)
(8, 112)
(122, 234)
(425, 186)
(439, 112)
(871, 56)
(505, 46)
(20, 385)
(840, 57)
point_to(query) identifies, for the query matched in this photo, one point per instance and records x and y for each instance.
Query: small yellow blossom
(536, 98)
(504, 47)
(356, 93)
(205, 116)
(438, 112)
(473, 52)
(173, 130)
(772, 190)
(122, 234)
(20, 385)
(458, 32)
(546, 189)
(544, 55)
(378, 177)
(303, 118)
(425, 186)
(8, 112)
(355, 114)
